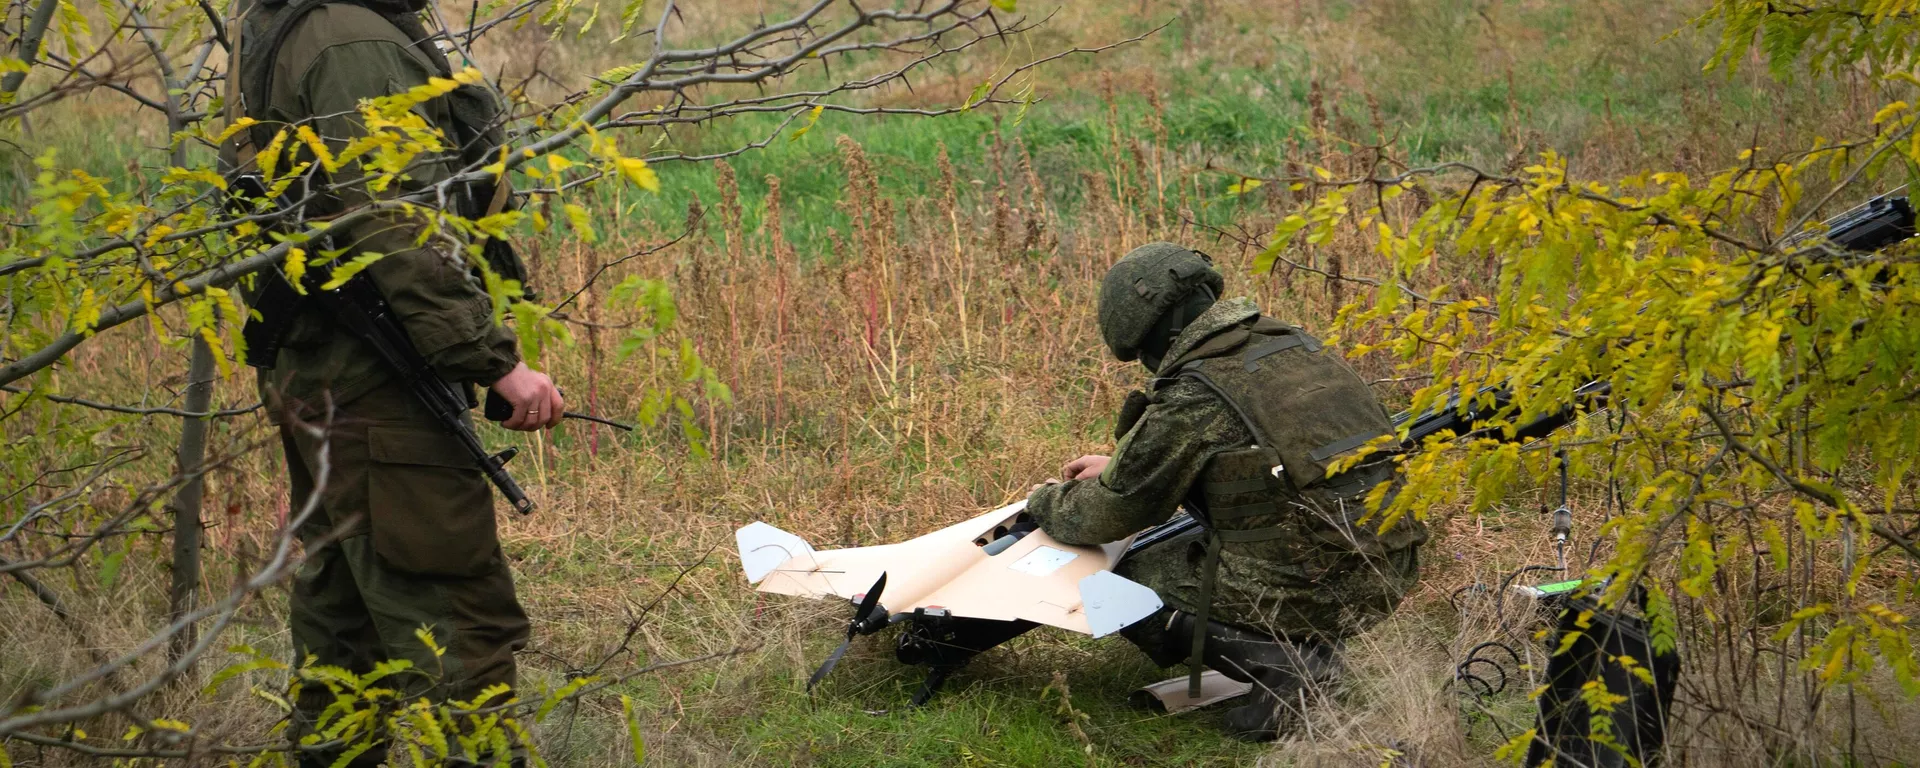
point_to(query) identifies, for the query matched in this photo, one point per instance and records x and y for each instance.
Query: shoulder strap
(256, 66)
(1191, 370)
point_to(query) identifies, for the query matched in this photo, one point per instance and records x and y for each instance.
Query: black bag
(1564, 730)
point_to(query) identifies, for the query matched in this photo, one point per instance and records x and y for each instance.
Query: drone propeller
(868, 618)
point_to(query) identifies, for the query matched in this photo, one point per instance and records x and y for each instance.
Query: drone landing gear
(945, 643)
(935, 678)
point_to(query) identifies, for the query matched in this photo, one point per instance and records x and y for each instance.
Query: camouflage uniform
(1158, 464)
(1240, 425)
(404, 537)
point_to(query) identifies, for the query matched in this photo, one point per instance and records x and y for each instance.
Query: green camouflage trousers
(1275, 598)
(404, 539)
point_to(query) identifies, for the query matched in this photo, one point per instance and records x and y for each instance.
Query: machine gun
(359, 307)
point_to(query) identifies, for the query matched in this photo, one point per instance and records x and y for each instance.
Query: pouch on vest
(1296, 397)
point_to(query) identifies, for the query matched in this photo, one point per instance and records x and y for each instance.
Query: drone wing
(1036, 579)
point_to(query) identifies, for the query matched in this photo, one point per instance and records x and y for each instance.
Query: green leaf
(566, 691)
(633, 730)
(1283, 234)
(236, 670)
(109, 572)
(979, 95)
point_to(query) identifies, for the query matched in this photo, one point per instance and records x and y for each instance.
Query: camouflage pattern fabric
(1142, 286)
(1158, 464)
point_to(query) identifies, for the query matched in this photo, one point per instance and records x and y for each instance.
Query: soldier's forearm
(1087, 513)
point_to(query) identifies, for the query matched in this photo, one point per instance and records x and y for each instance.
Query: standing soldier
(1240, 421)
(404, 536)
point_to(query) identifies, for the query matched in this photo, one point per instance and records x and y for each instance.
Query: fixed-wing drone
(958, 591)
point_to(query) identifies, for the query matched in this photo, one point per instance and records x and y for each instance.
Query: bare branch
(99, 406)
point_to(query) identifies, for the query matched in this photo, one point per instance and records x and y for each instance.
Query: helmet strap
(1170, 325)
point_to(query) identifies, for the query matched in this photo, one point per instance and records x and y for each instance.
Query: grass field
(908, 334)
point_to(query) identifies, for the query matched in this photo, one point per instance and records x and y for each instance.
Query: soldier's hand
(536, 401)
(1085, 467)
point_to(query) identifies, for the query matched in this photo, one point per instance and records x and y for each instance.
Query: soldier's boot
(1157, 637)
(1280, 671)
(1284, 674)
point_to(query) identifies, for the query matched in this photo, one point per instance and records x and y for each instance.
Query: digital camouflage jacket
(1293, 588)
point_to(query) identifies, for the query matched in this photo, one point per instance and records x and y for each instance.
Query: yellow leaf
(1243, 186)
(319, 148)
(637, 171)
(581, 221)
(813, 116)
(296, 268)
(426, 638)
(203, 175)
(235, 127)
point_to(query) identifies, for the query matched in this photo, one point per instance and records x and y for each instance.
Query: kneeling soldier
(1240, 421)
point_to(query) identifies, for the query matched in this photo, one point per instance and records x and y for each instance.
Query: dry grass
(933, 354)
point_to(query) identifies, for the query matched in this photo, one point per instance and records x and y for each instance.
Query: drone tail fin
(764, 548)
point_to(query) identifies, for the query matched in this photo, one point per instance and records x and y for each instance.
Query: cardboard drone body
(960, 590)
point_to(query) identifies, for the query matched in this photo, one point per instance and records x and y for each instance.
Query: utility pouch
(430, 509)
(1241, 489)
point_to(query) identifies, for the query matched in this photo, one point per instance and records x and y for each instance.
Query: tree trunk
(186, 502)
(30, 43)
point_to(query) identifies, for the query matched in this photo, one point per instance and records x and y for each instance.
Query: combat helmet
(1150, 295)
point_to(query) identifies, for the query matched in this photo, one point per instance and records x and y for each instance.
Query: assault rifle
(1870, 226)
(361, 310)
(359, 307)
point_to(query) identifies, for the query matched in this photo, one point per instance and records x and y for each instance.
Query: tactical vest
(476, 130)
(1274, 500)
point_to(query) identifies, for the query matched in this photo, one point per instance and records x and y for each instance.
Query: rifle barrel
(1870, 226)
